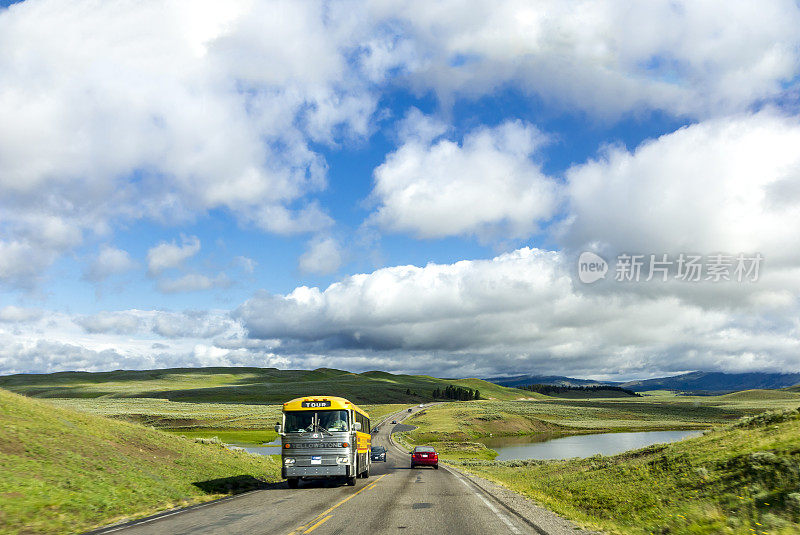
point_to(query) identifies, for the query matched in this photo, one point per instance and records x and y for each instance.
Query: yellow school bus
(324, 437)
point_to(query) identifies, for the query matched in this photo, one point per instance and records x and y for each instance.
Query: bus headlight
(342, 460)
(288, 460)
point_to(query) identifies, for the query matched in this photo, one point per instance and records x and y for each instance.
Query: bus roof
(336, 403)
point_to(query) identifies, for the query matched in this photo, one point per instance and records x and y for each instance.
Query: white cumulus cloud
(521, 310)
(109, 261)
(488, 185)
(171, 255)
(726, 185)
(323, 256)
(606, 57)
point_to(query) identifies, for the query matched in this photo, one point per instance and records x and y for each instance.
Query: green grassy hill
(739, 479)
(244, 385)
(69, 471)
(761, 394)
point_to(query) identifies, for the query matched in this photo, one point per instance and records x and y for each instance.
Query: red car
(424, 456)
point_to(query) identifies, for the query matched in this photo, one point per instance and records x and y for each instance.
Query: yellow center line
(318, 524)
(326, 512)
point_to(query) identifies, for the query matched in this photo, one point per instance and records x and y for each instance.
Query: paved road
(394, 499)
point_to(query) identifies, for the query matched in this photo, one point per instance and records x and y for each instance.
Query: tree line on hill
(549, 390)
(456, 392)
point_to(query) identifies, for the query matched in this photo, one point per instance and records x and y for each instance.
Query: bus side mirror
(279, 429)
(357, 426)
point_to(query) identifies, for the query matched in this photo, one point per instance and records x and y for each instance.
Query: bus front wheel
(293, 482)
(351, 479)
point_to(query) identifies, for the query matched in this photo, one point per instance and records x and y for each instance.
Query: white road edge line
(179, 511)
(489, 504)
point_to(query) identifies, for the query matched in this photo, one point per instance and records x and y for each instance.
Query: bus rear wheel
(293, 482)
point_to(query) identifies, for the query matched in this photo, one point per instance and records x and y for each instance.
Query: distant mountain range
(558, 380)
(688, 382)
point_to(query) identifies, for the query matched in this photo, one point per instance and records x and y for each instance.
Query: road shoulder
(537, 517)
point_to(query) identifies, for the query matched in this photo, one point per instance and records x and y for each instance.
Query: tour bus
(324, 437)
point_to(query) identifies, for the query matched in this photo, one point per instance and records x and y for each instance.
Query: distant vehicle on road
(421, 405)
(394, 421)
(324, 437)
(378, 453)
(424, 456)
(409, 410)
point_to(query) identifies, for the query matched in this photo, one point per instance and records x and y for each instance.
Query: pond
(268, 448)
(548, 447)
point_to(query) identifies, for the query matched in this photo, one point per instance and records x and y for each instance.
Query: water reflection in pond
(561, 447)
(268, 448)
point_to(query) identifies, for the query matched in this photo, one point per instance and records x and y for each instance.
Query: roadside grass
(450, 451)
(69, 471)
(737, 479)
(163, 413)
(380, 411)
(245, 385)
(228, 436)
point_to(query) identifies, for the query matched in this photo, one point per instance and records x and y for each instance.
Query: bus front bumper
(317, 471)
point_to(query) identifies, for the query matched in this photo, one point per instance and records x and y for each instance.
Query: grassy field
(245, 385)
(742, 478)
(455, 428)
(68, 471)
(163, 413)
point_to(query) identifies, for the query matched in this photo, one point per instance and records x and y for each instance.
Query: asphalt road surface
(394, 499)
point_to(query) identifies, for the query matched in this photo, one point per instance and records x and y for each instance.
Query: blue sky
(202, 165)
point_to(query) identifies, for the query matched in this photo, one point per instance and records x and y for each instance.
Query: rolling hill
(69, 471)
(556, 380)
(245, 385)
(717, 382)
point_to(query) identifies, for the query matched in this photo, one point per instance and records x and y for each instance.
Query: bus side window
(364, 421)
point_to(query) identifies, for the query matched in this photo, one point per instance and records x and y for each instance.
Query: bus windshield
(308, 421)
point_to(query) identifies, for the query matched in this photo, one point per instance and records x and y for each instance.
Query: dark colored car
(394, 421)
(378, 453)
(424, 456)
(409, 410)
